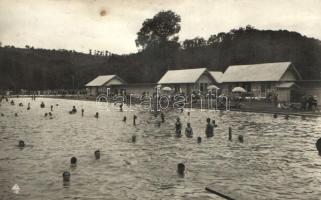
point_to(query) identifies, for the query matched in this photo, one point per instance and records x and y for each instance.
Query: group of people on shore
(309, 103)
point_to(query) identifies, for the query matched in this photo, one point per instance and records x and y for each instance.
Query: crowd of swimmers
(209, 132)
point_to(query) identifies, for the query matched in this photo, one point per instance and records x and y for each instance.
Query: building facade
(111, 84)
(188, 80)
(262, 80)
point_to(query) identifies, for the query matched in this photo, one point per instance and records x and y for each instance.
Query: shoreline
(195, 106)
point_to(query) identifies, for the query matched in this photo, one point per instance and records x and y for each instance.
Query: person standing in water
(162, 117)
(121, 107)
(178, 127)
(209, 128)
(189, 131)
(134, 120)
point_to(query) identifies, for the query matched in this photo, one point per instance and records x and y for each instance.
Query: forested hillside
(31, 68)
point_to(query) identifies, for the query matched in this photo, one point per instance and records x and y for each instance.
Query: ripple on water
(276, 161)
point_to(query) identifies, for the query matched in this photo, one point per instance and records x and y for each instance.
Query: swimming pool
(277, 160)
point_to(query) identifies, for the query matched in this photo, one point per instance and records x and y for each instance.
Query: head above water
(188, 124)
(97, 154)
(199, 139)
(318, 145)
(134, 138)
(73, 160)
(21, 143)
(181, 169)
(66, 176)
(241, 139)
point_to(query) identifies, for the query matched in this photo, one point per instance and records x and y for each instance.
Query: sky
(113, 24)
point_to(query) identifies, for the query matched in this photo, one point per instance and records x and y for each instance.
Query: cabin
(111, 84)
(188, 80)
(263, 80)
(140, 89)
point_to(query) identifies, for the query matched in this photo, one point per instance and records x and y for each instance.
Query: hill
(29, 68)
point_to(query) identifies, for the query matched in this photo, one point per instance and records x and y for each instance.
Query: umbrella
(238, 89)
(212, 87)
(167, 89)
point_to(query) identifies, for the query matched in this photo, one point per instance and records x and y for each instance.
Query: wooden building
(188, 80)
(101, 84)
(263, 80)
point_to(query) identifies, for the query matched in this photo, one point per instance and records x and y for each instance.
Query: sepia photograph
(160, 99)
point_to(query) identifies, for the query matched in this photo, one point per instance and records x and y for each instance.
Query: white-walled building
(188, 80)
(101, 84)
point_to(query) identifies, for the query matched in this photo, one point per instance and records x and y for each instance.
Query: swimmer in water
(66, 176)
(124, 119)
(181, 169)
(209, 128)
(51, 108)
(21, 144)
(178, 127)
(189, 131)
(134, 120)
(121, 107)
(74, 110)
(97, 154)
(162, 117)
(199, 140)
(214, 123)
(82, 112)
(97, 115)
(73, 162)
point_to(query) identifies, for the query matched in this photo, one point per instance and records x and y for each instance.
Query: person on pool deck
(178, 127)
(209, 128)
(189, 131)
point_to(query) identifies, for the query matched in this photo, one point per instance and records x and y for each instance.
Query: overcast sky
(78, 24)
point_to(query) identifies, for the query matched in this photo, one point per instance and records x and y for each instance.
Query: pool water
(278, 159)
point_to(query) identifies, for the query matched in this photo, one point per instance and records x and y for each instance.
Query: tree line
(159, 51)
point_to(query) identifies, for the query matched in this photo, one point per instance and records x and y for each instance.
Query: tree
(194, 43)
(161, 29)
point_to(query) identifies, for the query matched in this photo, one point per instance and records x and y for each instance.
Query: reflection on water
(277, 160)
